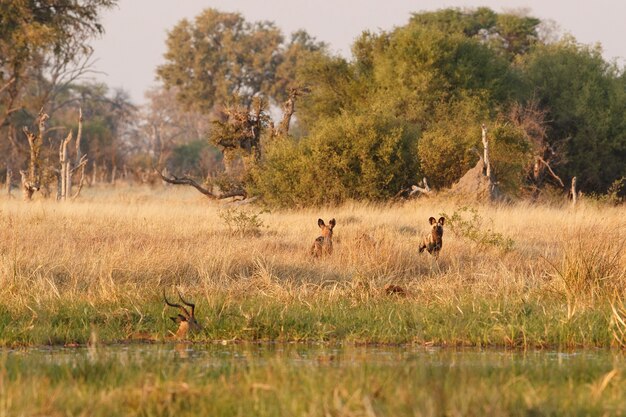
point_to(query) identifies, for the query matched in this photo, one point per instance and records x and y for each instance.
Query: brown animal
(323, 245)
(432, 242)
(392, 289)
(186, 321)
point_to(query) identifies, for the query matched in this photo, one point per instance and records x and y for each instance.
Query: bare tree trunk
(27, 189)
(31, 183)
(94, 173)
(113, 174)
(79, 134)
(65, 172)
(486, 160)
(574, 192)
(8, 182)
(82, 166)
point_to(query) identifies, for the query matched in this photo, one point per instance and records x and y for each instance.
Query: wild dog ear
(442, 220)
(432, 220)
(320, 223)
(332, 223)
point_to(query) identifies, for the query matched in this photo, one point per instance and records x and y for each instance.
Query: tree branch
(189, 181)
(556, 177)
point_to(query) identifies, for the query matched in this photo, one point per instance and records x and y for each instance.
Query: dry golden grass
(124, 246)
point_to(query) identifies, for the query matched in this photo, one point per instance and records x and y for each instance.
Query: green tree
(585, 98)
(449, 147)
(43, 47)
(221, 55)
(346, 157)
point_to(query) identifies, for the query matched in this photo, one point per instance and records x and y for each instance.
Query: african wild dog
(323, 245)
(432, 242)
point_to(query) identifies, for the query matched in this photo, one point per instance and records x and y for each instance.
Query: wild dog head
(433, 241)
(323, 245)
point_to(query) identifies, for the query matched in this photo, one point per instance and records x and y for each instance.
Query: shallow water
(297, 379)
(305, 354)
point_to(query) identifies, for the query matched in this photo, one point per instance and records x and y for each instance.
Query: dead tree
(65, 177)
(422, 188)
(66, 172)
(31, 181)
(531, 119)
(94, 173)
(486, 160)
(82, 164)
(8, 182)
(239, 135)
(289, 108)
(573, 192)
(479, 183)
(171, 179)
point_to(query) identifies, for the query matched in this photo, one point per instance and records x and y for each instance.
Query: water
(298, 379)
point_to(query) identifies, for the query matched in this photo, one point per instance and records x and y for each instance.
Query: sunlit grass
(99, 265)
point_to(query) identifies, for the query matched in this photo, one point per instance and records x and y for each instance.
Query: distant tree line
(241, 106)
(410, 103)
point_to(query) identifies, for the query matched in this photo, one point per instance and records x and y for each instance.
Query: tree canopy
(442, 75)
(43, 48)
(220, 55)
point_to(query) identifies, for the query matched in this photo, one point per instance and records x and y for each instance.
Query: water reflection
(320, 355)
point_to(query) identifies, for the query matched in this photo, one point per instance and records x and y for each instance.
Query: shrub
(363, 157)
(242, 222)
(466, 223)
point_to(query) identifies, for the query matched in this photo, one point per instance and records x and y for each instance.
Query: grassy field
(96, 268)
(298, 380)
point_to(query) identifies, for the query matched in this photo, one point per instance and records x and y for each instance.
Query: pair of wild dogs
(432, 242)
(323, 245)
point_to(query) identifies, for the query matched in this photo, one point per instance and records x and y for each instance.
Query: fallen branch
(189, 181)
(422, 187)
(556, 177)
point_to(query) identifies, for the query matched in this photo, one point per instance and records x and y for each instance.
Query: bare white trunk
(65, 172)
(8, 182)
(486, 159)
(574, 192)
(79, 154)
(94, 173)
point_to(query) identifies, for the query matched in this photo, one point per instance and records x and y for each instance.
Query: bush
(466, 223)
(242, 222)
(445, 148)
(511, 157)
(363, 157)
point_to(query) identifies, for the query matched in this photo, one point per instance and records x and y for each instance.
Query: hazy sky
(134, 42)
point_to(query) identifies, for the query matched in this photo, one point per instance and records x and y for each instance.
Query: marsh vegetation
(308, 380)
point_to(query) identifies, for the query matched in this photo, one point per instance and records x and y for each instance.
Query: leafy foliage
(586, 102)
(466, 223)
(242, 222)
(220, 55)
(346, 158)
(408, 104)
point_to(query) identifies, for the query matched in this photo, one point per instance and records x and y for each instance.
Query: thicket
(410, 103)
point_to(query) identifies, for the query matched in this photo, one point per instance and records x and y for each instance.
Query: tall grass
(100, 264)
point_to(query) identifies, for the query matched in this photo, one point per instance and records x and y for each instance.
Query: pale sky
(134, 43)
